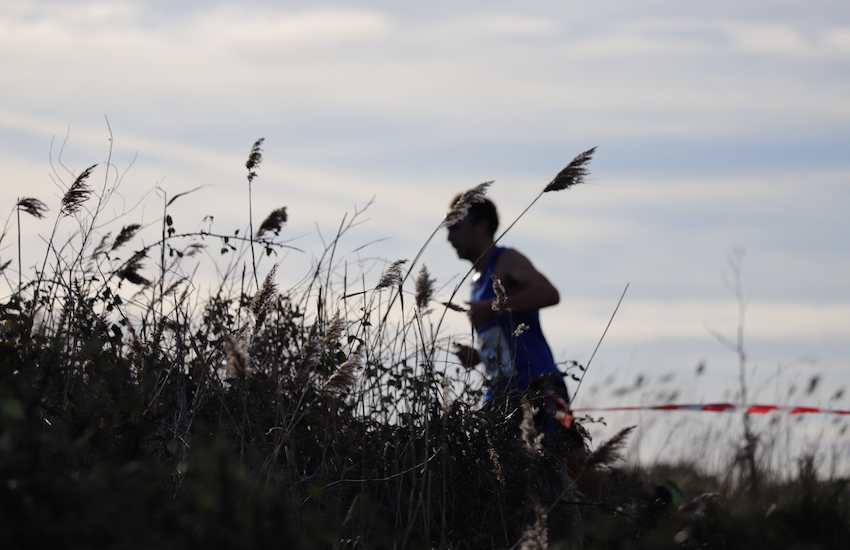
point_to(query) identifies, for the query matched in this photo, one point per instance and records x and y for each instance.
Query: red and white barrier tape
(720, 407)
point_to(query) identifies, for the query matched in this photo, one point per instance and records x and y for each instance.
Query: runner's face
(463, 237)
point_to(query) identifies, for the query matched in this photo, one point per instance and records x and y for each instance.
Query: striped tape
(720, 407)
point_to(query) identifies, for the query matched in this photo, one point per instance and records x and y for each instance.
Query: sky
(722, 132)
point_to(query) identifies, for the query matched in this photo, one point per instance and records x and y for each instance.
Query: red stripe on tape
(720, 407)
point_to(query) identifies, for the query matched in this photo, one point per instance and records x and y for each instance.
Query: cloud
(640, 319)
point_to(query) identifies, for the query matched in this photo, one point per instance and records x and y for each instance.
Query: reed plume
(238, 360)
(78, 193)
(343, 378)
(573, 174)
(611, 451)
(130, 271)
(254, 159)
(310, 353)
(392, 276)
(32, 206)
(263, 299)
(536, 536)
(127, 232)
(273, 222)
(462, 204)
(501, 296)
(529, 433)
(334, 332)
(424, 290)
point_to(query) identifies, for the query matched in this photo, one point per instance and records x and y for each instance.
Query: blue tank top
(511, 344)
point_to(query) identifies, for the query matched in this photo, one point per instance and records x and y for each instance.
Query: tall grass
(138, 411)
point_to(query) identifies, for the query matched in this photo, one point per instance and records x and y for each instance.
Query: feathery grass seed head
(78, 193)
(127, 233)
(263, 299)
(238, 360)
(334, 332)
(461, 206)
(611, 451)
(130, 271)
(424, 290)
(32, 206)
(343, 378)
(254, 159)
(392, 276)
(501, 295)
(573, 174)
(536, 536)
(273, 222)
(529, 433)
(497, 465)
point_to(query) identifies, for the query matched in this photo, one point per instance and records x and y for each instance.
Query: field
(138, 412)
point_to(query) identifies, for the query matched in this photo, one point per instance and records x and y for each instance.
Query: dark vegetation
(136, 414)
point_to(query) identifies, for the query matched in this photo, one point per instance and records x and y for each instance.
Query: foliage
(134, 414)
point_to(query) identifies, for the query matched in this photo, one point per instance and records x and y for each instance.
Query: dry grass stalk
(529, 433)
(343, 378)
(33, 207)
(573, 174)
(497, 465)
(263, 299)
(424, 290)
(127, 233)
(78, 193)
(453, 306)
(501, 295)
(273, 222)
(461, 207)
(611, 451)
(238, 361)
(392, 276)
(536, 537)
(254, 159)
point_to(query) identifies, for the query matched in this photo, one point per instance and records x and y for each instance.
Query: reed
(140, 410)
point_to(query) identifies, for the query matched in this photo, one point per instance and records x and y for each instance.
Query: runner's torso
(512, 346)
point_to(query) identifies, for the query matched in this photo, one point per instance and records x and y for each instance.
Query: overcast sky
(720, 126)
